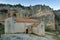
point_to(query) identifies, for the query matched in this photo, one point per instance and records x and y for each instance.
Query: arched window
(4, 10)
(14, 15)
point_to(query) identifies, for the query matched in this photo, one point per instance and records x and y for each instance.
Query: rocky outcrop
(44, 13)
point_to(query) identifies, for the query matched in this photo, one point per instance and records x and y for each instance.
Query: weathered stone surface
(25, 37)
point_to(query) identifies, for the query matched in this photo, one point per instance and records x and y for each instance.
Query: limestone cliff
(38, 11)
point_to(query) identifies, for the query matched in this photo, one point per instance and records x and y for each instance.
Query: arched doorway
(1, 29)
(26, 31)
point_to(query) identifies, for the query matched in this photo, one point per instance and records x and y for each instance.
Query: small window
(14, 15)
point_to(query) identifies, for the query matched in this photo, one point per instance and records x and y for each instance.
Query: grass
(56, 37)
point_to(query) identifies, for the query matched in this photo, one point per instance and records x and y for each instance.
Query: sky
(55, 4)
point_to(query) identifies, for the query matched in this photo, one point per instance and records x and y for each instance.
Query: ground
(28, 37)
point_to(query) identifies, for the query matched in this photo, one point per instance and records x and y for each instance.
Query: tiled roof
(26, 20)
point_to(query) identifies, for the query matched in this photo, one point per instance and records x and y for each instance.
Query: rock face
(40, 12)
(44, 13)
(57, 19)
